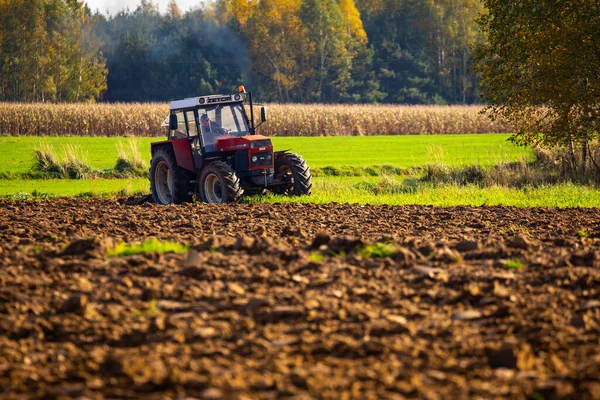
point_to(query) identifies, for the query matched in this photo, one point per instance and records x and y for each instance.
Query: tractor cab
(207, 119)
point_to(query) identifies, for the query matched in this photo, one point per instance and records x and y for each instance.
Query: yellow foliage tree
(352, 18)
(238, 10)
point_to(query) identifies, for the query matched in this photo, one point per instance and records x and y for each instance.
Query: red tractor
(214, 153)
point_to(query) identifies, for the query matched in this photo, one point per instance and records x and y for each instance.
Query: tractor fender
(206, 161)
(281, 152)
(181, 148)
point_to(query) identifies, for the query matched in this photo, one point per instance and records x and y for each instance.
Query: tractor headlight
(269, 157)
(254, 159)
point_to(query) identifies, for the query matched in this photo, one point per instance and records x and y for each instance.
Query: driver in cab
(210, 132)
(211, 126)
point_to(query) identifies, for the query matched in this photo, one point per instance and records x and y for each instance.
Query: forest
(288, 51)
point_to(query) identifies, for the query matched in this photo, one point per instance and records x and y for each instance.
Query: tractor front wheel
(218, 183)
(293, 170)
(170, 183)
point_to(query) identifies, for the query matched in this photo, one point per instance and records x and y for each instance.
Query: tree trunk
(465, 57)
(572, 153)
(584, 153)
(594, 163)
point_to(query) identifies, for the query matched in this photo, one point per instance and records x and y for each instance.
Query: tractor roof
(207, 100)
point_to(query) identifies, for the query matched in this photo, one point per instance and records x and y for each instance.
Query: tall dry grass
(130, 161)
(136, 119)
(70, 163)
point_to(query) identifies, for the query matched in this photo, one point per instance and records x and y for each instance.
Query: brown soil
(275, 301)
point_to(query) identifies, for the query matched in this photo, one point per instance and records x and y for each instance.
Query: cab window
(181, 131)
(191, 123)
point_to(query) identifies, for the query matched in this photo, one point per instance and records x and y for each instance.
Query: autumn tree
(173, 10)
(278, 47)
(540, 70)
(332, 61)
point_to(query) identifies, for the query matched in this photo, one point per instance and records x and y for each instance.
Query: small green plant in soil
(149, 246)
(151, 311)
(515, 263)
(583, 234)
(378, 250)
(316, 257)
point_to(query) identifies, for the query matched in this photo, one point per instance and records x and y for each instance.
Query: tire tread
(300, 171)
(232, 182)
(182, 176)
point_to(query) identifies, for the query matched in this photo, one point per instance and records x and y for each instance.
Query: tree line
(326, 51)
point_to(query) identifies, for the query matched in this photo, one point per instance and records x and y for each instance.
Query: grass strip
(336, 189)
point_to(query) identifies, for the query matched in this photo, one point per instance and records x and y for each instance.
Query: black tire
(170, 183)
(218, 183)
(295, 172)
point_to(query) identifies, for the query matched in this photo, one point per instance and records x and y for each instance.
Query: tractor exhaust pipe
(253, 131)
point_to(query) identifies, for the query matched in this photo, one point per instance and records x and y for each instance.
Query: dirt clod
(511, 356)
(466, 315)
(468, 245)
(520, 242)
(75, 304)
(80, 246)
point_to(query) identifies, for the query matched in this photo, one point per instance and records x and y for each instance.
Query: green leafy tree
(540, 70)
(48, 52)
(332, 59)
(421, 48)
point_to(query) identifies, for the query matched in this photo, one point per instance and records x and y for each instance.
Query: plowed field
(282, 301)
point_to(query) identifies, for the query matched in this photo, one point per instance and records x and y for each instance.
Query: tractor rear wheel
(170, 183)
(218, 183)
(292, 169)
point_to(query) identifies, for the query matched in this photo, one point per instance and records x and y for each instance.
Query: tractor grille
(260, 143)
(263, 159)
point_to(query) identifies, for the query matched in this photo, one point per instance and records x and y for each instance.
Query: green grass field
(400, 151)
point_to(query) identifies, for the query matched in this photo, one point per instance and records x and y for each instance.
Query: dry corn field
(138, 119)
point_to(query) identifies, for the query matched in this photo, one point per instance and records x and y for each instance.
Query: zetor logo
(218, 99)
